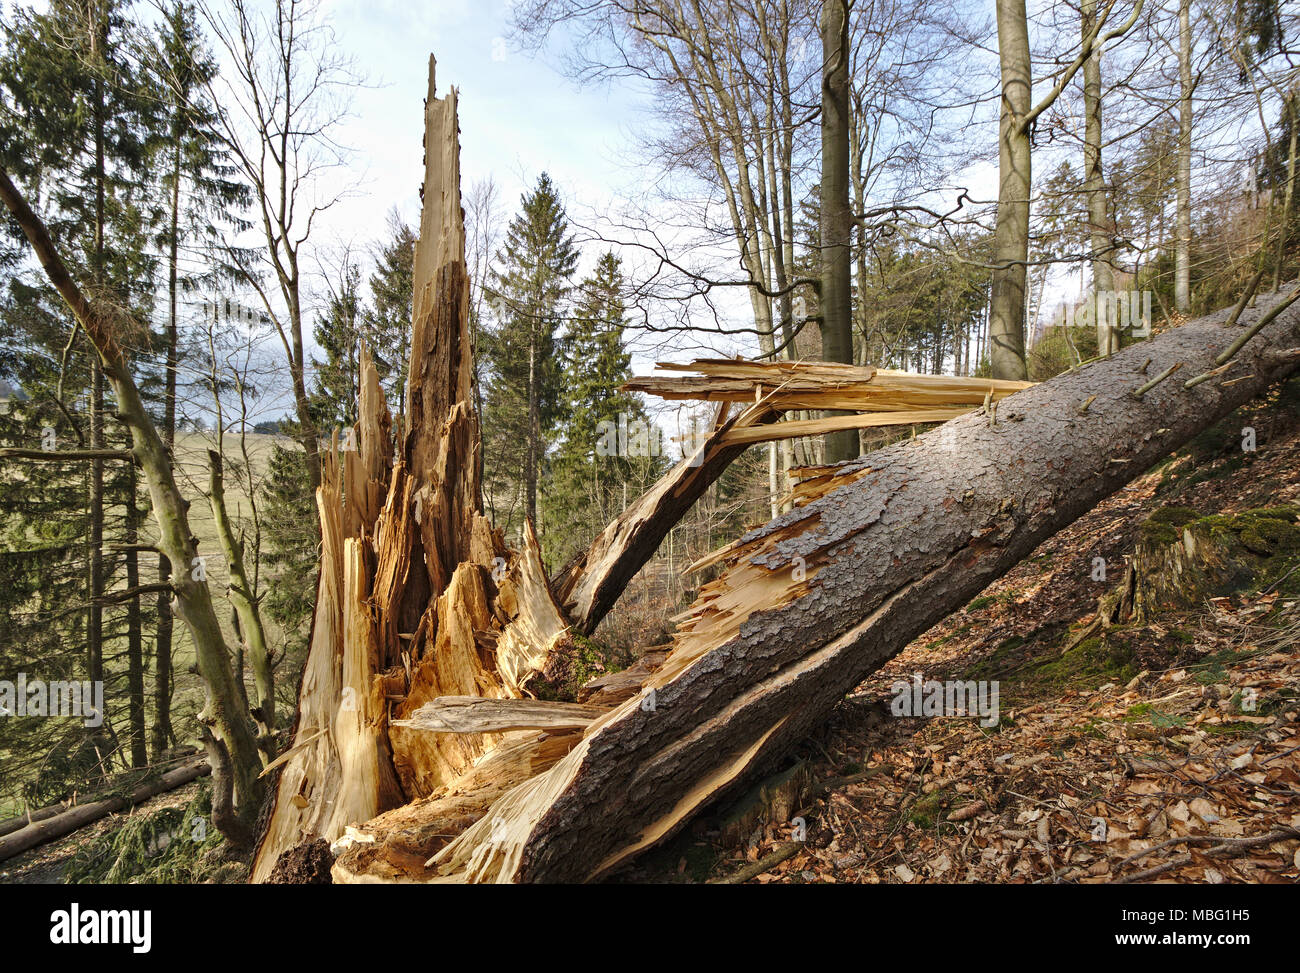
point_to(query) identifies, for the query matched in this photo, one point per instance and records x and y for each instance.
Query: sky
(519, 116)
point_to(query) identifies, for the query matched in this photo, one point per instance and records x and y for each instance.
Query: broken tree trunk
(589, 585)
(418, 598)
(796, 385)
(825, 594)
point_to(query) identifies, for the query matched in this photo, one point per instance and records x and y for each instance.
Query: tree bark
(243, 597)
(1094, 181)
(162, 689)
(134, 633)
(1011, 232)
(1289, 101)
(1007, 300)
(836, 216)
(1183, 204)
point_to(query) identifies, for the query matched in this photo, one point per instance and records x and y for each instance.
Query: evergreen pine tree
(589, 484)
(528, 292)
(291, 536)
(338, 333)
(388, 319)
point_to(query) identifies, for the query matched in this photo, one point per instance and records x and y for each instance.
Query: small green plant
(926, 811)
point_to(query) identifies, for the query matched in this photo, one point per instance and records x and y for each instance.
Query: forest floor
(1168, 751)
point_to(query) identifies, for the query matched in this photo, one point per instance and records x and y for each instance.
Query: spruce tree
(291, 536)
(589, 481)
(338, 333)
(388, 319)
(529, 293)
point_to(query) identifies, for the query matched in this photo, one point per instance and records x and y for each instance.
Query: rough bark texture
(590, 584)
(827, 593)
(1011, 232)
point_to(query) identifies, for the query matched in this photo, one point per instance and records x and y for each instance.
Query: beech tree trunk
(1011, 232)
(1183, 189)
(1094, 180)
(836, 220)
(1007, 296)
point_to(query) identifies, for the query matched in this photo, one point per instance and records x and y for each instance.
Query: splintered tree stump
(418, 597)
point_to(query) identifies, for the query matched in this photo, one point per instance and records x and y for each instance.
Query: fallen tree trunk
(23, 820)
(67, 821)
(822, 596)
(10, 825)
(591, 583)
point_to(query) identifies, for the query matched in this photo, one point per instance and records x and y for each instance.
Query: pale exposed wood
(537, 628)
(877, 551)
(817, 427)
(367, 783)
(812, 482)
(407, 836)
(366, 466)
(450, 665)
(821, 385)
(418, 596)
(310, 780)
(474, 714)
(587, 587)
